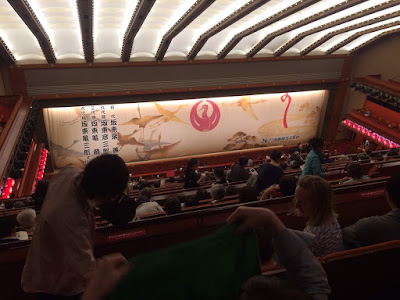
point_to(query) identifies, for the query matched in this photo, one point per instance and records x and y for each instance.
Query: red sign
(284, 98)
(204, 122)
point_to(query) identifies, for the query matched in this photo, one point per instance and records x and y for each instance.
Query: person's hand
(255, 217)
(109, 271)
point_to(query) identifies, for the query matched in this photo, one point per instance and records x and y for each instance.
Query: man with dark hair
(219, 175)
(270, 173)
(238, 172)
(60, 261)
(314, 159)
(294, 160)
(172, 206)
(377, 229)
(8, 226)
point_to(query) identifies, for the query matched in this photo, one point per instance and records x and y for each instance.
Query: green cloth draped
(212, 267)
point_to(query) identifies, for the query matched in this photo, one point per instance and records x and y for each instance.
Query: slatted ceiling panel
(302, 46)
(252, 41)
(185, 40)
(161, 18)
(336, 40)
(61, 23)
(17, 36)
(368, 38)
(270, 28)
(217, 42)
(110, 20)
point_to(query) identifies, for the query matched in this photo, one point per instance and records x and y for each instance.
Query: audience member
(40, 193)
(191, 177)
(270, 173)
(119, 212)
(393, 152)
(286, 187)
(354, 172)
(9, 204)
(327, 159)
(143, 183)
(19, 204)
(305, 274)
(313, 199)
(231, 190)
(377, 229)
(8, 226)
(157, 184)
(172, 206)
(294, 160)
(27, 219)
(247, 194)
(202, 194)
(147, 191)
(314, 159)
(238, 172)
(217, 192)
(250, 163)
(63, 239)
(191, 201)
(363, 157)
(219, 175)
(146, 207)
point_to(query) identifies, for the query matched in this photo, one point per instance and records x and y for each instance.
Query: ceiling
(69, 31)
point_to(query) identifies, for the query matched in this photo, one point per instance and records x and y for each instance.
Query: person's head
(231, 190)
(8, 204)
(393, 191)
(191, 201)
(243, 161)
(354, 170)
(393, 152)
(147, 191)
(217, 191)
(271, 288)
(283, 165)
(142, 199)
(202, 194)
(105, 177)
(119, 212)
(19, 204)
(379, 157)
(172, 206)
(192, 164)
(326, 155)
(41, 188)
(27, 218)
(313, 197)
(362, 156)
(8, 225)
(157, 184)
(247, 194)
(316, 143)
(287, 185)
(219, 172)
(276, 155)
(171, 179)
(143, 183)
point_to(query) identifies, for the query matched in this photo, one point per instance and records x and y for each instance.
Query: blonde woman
(313, 199)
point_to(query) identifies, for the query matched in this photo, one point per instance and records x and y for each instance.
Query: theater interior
(161, 81)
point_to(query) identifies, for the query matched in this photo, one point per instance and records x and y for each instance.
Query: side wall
(380, 58)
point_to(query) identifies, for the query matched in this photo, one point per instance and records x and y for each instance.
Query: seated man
(270, 173)
(219, 175)
(238, 172)
(377, 229)
(8, 226)
(146, 207)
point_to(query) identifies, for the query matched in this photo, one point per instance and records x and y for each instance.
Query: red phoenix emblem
(204, 122)
(283, 99)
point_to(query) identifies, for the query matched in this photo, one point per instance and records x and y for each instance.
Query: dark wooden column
(339, 99)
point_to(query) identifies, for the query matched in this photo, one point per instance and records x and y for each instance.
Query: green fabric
(212, 267)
